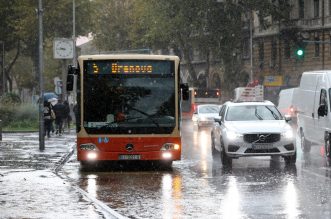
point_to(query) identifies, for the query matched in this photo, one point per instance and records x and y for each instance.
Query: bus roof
(128, 56)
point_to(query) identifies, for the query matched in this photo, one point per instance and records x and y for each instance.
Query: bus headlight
(166, 155)
(170, 146)
(92, 155)
(88, 147)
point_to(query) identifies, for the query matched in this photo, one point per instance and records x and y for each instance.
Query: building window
(261, 54)
(273, 53)
(317, 46)
(302, 9)
(316, 8)
(287, 49)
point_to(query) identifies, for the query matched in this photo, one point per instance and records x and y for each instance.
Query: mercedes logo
(129, 147)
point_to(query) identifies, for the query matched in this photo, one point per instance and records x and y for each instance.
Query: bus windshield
(135, 97)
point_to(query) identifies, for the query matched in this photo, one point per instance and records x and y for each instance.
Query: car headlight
(288, 134)
(231, 135)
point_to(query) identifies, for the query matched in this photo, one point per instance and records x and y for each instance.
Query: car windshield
(252, 112)
(208, 109)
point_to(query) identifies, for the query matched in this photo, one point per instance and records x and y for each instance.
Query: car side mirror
(218, 119)
(287, 118)
(322, 110)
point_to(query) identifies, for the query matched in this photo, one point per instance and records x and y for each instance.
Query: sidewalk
(29, 187)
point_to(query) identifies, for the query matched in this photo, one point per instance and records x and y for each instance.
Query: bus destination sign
(128, 67)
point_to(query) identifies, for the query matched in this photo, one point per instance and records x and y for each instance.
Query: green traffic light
(300, 52)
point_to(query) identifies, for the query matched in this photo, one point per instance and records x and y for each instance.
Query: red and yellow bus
(128, 107)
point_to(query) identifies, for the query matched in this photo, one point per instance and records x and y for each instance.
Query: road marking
(315, 174)
(104, 209)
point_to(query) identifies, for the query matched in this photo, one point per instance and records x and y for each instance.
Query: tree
(20, 32)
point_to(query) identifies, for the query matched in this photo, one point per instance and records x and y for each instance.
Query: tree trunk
(10, 66)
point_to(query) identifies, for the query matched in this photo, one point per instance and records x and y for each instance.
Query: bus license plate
(129, 157)
(262, 146)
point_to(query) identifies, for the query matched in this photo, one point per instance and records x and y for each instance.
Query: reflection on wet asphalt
(199, 187)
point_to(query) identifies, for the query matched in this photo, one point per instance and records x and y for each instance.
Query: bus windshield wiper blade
(146, 114)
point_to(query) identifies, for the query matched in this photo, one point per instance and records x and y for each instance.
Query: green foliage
(19, 117)
(10, 99)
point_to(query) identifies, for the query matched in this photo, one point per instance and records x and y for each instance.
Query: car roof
(201, 105)
(253, 103)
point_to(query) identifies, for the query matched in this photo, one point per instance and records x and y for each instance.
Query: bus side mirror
(72, 70)
(185, 91)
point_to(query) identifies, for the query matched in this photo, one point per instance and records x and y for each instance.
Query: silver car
(205, 114)
(252, 129)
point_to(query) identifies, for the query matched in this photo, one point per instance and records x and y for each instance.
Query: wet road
(198, 186)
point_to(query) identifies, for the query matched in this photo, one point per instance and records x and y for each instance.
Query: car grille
(264, 151)
(261, 138)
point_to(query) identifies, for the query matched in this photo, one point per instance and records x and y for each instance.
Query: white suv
(252, 129)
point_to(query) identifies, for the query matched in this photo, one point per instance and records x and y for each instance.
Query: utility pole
(323, 37)
(74, 31)
(251, 44)
(3, 68)
(41, 82)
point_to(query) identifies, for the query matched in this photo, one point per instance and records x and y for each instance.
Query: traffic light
(300, 46)
(300, 52)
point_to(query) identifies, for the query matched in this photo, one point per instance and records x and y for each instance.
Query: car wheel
(225, 159)
(213, 149)
(328, 146)
(290, 159)
(305, 144)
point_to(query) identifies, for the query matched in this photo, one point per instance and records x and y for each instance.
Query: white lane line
(104, 209)
(315, 174)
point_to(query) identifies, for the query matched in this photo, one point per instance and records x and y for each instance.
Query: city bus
(128, 108)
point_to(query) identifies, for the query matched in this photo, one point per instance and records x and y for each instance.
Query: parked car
(204, 114)
(252, 129)
(286, 104)
(313, 107)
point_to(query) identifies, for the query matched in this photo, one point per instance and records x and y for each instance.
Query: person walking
(67, 117)
(59, 110)
(48, 114)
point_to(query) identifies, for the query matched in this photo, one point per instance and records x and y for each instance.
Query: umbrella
(53, 101)
(49, 95)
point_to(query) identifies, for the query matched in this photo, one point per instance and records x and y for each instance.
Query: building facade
(275, 62)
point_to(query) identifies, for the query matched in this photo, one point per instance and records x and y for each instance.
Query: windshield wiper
(114, 124)
(257, 115)
(273, 113)
(146, 114)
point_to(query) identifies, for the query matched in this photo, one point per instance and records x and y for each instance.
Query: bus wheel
(166, 164)
(305, 144)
